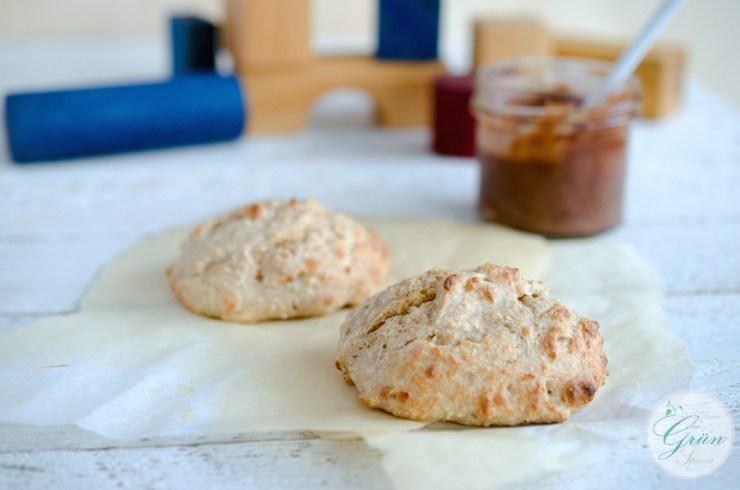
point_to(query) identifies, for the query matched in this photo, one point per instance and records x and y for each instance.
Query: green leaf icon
(669, 410)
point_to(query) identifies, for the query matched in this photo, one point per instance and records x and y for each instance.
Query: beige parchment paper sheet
(603, 280)
(133, 363)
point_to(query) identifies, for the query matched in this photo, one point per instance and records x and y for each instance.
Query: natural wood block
(662, 72)
(280, 102)
(266, 35)
(495, 39)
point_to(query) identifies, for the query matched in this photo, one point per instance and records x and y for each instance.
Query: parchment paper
(134, 363)
(605, 281)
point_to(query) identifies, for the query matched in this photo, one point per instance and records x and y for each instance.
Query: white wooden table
(60, 223)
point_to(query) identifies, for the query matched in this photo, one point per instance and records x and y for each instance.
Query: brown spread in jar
(551, 167)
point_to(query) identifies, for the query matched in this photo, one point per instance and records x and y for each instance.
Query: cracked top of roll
(278, 259)
(477, 347)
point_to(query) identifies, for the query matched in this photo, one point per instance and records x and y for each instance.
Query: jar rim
(499, 84)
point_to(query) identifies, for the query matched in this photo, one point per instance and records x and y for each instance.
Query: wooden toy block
(453, 130)
(408, 29)
(193, 44)
(267, 35)
(662, 72)
(402, 91)
(495, 39)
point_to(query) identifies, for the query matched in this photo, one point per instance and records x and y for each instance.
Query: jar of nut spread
(548, 164)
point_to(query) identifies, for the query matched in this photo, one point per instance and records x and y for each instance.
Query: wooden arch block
(271, 46)
(402, 91)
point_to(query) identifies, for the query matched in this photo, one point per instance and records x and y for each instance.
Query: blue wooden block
(408, 29)
(93, 121)
(193, 43)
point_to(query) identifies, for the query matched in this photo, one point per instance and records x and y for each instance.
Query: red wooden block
(454, 125)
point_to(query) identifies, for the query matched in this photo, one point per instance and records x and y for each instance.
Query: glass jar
(547, 164)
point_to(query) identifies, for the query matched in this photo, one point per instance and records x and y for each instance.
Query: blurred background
(707, 28)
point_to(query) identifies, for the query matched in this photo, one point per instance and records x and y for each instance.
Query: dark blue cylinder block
(408, 29)
(193, 44)
(94, 121)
